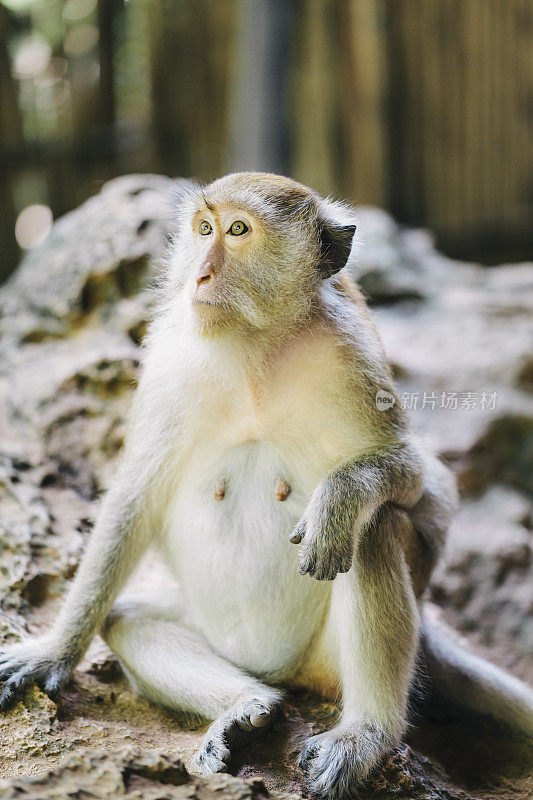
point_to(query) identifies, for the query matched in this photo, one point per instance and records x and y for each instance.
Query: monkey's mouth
(197, 301)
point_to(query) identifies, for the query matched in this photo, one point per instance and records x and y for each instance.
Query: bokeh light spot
(74, 10)
(33, 225)
(80, 40)
(31, 57)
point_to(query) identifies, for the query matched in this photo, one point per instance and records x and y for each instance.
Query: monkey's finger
(12, 658)
(56, 678)
(5, 656)
(307, 563)
(324, 573)
(7, 669)
(6, 698)
(11, 688)
(310, 751)
(213, 765)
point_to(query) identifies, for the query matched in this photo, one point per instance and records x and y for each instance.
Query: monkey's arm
(347, 498)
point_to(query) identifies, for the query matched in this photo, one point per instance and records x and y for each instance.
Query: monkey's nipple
(282, 489)
(220, 489)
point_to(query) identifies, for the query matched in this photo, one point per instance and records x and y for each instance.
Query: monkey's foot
(337, 761)
(245, 721)
(31, 660)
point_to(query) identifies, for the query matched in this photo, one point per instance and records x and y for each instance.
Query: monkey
(300, 520)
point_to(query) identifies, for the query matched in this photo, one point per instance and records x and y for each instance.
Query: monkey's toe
(336, 763)
(233, 731)
(256, 715)
(213, 756)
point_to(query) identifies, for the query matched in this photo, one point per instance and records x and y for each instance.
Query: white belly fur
(235, 564)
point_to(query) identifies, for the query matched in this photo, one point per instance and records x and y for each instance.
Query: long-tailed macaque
(298, 512)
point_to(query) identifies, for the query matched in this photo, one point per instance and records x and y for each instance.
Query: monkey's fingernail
(220, 489)
(296, 538)
(259, 719)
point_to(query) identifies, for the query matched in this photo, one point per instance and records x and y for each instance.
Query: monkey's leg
(374, 623)
(174, 666)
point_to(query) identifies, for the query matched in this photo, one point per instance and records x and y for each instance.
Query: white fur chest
(232, 556)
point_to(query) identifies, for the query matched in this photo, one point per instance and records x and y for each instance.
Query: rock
(504, 452)
(79, 404)
(389, 266)
(29, 730)
(71, 321)
(94, 256)
(134, 774)
(29, 562)
(102, 662)
(484, 583)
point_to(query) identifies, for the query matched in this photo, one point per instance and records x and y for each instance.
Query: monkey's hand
(327, 529)
(38, 660)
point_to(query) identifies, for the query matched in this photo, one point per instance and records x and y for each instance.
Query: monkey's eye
(205, 228)
(238, 228)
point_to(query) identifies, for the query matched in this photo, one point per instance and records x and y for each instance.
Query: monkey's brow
(206, 201)
(236, 204)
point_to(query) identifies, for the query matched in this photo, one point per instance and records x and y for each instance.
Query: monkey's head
(253, 248)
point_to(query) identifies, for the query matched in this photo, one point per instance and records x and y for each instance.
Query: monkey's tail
(473, 683)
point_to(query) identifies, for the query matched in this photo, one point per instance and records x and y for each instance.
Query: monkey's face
(224, 284)
(251, 251)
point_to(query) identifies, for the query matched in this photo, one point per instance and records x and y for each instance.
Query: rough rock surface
(71, 320)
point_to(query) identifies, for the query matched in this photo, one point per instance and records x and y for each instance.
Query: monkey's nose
(205, 274)
(214, 261)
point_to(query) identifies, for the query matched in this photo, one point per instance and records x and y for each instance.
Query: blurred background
(422, 107)
(417, 110)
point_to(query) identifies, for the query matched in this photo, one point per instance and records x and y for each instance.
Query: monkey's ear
(335, 247)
